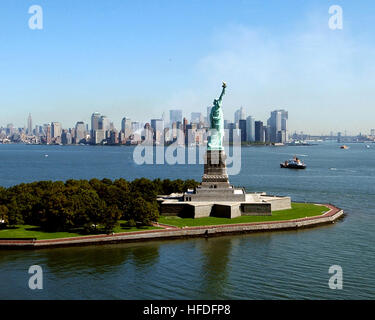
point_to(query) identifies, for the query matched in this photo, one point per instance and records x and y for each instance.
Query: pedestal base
(215, 183)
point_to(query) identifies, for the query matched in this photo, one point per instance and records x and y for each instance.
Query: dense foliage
(89, 205)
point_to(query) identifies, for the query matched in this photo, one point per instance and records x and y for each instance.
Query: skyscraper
(56, 130)
(157, 126)
(239, 115)
(66, 137)
(80, 133)
(278, 126)
(242, 124)
(175, 116)
(95, 120)
(29, 125)
(104, 124)
(250, 129)
(196, 117)
(126, 127)
(48, 133)
(259, 132)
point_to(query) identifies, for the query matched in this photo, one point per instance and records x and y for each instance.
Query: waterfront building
(259, 132)
(29, 125)
(56, 131)
(95, 122)
(80, 132)
(147, 133)
(113, 137)
(100, 136)
(105, 124)
(10, 129)
(66, 137)
(243, 127)
(126, 127)
(157, 126)
(250, 129)
(278, 126)
(48, 133)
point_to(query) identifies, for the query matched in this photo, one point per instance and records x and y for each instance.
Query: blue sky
(140, 58)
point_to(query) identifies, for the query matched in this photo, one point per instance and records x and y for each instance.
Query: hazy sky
(140, 58)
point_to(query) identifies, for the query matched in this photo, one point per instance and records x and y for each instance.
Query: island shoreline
(173, 233)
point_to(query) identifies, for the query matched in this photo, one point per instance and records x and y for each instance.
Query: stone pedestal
(215, 184)
(215, 170)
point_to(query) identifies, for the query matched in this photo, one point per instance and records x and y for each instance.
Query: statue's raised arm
(222, 92)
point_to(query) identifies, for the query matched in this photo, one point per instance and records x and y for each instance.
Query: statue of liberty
(215, 140)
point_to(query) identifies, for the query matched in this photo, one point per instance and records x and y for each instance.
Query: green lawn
(27, 231)
(299, 210)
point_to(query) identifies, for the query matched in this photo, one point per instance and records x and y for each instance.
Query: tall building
(372, 132)
(95, 121)
(66, 137)
(99, 136)
(126, 127)
(48, 133)
(56, 130)
(250, 129)
(10, 129)
(80, 132)
(239, 115)
(278, 126)
(29, 125)
(196, 117)
(147, 133)
(157, 126)
(242, 124)
(105, 124)
(259, 132)
(175, 116)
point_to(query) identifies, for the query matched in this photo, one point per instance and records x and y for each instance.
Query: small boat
(344, 147)
(367, 146)
(295, 163)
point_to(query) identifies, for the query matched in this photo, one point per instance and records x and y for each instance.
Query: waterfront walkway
(172, 232)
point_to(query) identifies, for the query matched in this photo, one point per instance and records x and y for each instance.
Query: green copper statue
(215, 140)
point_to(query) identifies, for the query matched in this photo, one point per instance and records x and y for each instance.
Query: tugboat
(295, 163)
(344, 147)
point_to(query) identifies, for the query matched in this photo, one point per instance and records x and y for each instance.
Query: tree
(110, 218)
(4, 218)
(143, 212)
(14, 214)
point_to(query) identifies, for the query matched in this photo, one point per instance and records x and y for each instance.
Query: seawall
(170, 232)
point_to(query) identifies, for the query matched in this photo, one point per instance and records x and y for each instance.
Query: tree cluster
(91, 205)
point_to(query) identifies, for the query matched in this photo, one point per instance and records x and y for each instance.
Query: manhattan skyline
(143, 59)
